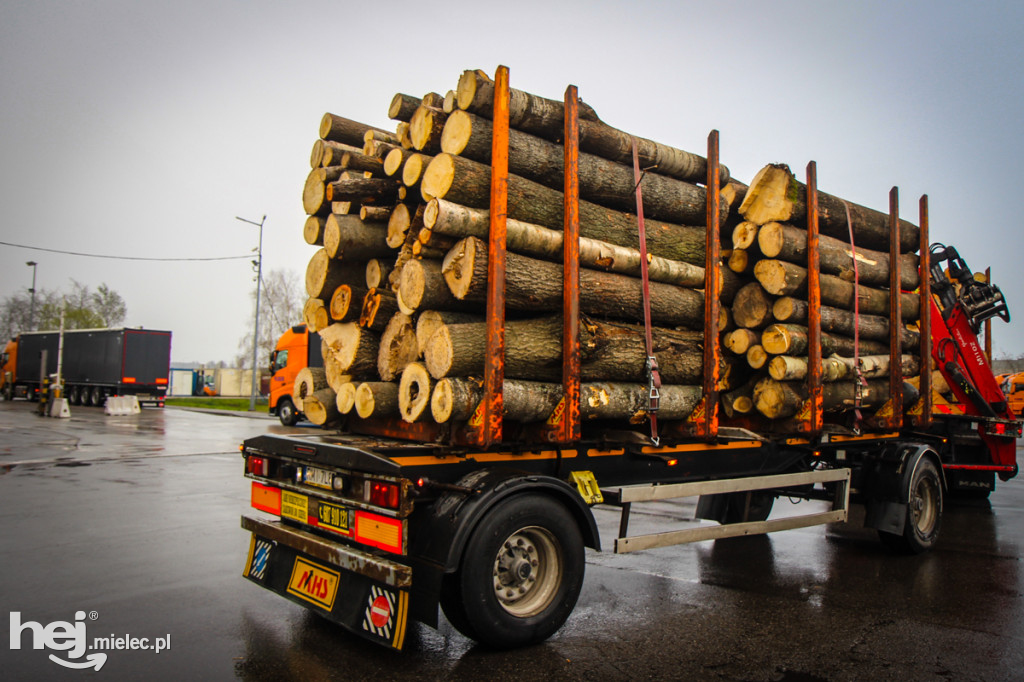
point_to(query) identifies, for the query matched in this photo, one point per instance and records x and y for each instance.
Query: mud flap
(365, 607)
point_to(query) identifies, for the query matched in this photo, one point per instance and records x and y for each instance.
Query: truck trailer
(382, 521)
(95, 364)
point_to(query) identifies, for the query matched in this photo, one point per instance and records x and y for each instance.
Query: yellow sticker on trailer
(315, 583)
(294, 506)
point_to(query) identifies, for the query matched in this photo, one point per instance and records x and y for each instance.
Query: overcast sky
(142, 129)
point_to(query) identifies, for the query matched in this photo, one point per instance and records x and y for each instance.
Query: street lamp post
(32, 310)
(256, 328)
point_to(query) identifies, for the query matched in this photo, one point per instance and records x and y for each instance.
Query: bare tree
(281, 300)
(83, 309)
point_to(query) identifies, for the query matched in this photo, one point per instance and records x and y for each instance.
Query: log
(354, 239)
(414, 391)
(843, 322)
(345, 401)
(836, 368)
(398, 225)
(739, 401)
(324, 274)
(315, 315)
(457, 221)
(432, 99)
(339, 129)
(791, 339)
(776, 195)
(455, 399)
(325, 152)
(397, 347)
(336, 376)
(321, 407)
(744, 235)
(789, 279)
(413, 168)
(601, 181)
(377, 271)
(346, 303)
(608, 400)
(377, 399)
(314, 192)
(363, 190)
(354, 347)
(537, 286)
(356, 160)
(403, 107)
(739, 261)
(402, 130)
(394, 160)
(545, 118)
(308, 381)
(380, 214)
(466, 182)
(757, 357)
(422, 286)
(379, 305)
(313, 230)
(612, 351)
(739, 340)
(751, 307)
(449, 102)
(777, 399)
(788, 243)
(425, 128)
(379, 136)
(429, 321)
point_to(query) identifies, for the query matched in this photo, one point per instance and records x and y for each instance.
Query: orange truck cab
(297, 348)
(8, 363)
(1013, 389)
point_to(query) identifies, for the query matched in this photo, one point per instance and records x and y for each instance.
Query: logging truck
(541, 347)
(373, 530)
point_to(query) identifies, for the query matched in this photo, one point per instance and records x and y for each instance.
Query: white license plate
(318, 477)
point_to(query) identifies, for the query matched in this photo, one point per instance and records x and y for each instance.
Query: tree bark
(788, 279)
(791, 339)
(363, 190)
(337, 129)
(835, 368)
(601, 181)
(533, 349)
(776, 195)
(425, 128)
(403, 107)
(325, 152)
(455, 399)
(537, 286)
(457, 221)
(308, 381)
(398, 347)
(843, 322)
(752, 307)
(467, 182)
(788, 243)
(545, 118)
(356, 160)
(377, 399)
(377, 214)
(349, 237)
(414, 390)
(777, 400)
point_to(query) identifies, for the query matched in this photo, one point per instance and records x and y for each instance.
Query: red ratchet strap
(859, 381)
(653, 375)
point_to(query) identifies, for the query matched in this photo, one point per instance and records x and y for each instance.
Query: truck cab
(1013, 388)
(296, 349)
(8, 362)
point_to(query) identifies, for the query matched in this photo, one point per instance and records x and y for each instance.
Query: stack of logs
(397, 288)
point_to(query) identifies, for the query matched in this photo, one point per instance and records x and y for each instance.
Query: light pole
(32, 311)
(256, 328)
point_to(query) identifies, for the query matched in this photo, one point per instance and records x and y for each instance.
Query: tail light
(257, 466)
(384, 494)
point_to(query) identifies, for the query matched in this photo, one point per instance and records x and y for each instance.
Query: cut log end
(438, 177)
(414, 391)
(457, 131)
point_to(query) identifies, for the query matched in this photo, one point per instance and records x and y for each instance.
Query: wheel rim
(924, 506)
(527, 571)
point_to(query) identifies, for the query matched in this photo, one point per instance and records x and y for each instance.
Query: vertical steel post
(712, 289)
(570, 426)
(494, 364)
(895, 313)
(815, 421)
(925, 290)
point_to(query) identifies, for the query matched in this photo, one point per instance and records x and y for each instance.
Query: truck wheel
(96, 396)
(521, 574)
(286, 412)
(74, 395)
(924, 512)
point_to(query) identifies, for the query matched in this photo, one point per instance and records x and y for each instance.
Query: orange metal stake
(924, 419)
(895, 420)
(815, 421)
(570, 425)
(712, 288)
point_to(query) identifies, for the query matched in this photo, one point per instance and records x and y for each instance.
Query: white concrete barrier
(119, 406)
(59, 408)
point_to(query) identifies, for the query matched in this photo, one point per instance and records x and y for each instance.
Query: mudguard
(887, 479)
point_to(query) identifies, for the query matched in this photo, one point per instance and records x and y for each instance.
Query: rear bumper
(365, 594)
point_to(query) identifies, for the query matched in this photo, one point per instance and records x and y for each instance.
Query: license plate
(319, 477)
(294, 506)
(332, 516)
(315, 583)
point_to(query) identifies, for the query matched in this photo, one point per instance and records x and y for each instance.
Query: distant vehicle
(1013, 389)
(96, 364)
(296, 349)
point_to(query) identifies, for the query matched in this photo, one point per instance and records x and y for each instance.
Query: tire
(286, 412)
(924, 512)
(502, 598)
(95, 396)
(75, 395)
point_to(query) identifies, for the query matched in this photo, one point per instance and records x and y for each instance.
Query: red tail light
(384, 494)
(257, 466)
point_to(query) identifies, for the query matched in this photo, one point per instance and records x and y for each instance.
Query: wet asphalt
(134, 523)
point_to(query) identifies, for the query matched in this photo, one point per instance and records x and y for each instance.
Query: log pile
(397, 286)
